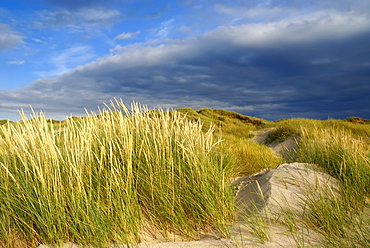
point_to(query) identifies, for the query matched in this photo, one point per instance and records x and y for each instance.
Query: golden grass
(99, 179)
(342, 149)
(96, 180)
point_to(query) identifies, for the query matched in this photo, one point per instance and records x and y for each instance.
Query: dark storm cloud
(314, 68)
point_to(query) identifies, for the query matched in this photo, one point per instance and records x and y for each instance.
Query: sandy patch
(284, 149)
(279, 194)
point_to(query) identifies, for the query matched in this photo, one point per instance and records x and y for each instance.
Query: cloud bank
(314, 65)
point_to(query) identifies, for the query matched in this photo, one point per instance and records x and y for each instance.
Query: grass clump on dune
(342, 219)
(343, 155)
(341, 148)
(246, 156)
(100, 179)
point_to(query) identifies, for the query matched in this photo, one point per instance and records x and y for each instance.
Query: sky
(270, 59)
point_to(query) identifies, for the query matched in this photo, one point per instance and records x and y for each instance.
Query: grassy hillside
(247, 157)
(231, 122)
(105, 178)
(2, 122)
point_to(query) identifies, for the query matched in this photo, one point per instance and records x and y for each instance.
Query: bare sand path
(284, 149)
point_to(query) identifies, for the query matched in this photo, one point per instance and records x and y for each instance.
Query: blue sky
(271, 59)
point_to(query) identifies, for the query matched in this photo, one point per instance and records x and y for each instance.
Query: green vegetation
(283, 131)
(104, 178)
(343, 153)
(2, 122)
(100, 179)
(247, 157)
(357, 120)
(341, 148)
(231, 122)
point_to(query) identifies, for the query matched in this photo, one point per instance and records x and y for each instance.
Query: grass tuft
(99, 179)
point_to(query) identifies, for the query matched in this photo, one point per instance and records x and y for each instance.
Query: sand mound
(288, 182)
(278, 194)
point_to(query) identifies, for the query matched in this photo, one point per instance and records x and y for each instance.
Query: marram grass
(339, 217)
(99, 179)
(343, 152)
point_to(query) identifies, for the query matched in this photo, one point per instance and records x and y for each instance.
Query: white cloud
(8, 38)
(67, 60)
(165, 28)
(125, 36)
(16, 62)
(38, 41)
(54, 18)
(309, 28)
(184, 29)
(82, 18)
(257, 14)
(95, 15)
